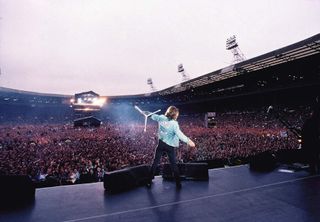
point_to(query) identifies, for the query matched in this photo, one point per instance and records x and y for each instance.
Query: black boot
(148, 185)
(149, 182)
(178, 182)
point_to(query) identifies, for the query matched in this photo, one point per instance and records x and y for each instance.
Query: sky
(113, 46)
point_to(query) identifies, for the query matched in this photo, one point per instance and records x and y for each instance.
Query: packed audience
(61, 154)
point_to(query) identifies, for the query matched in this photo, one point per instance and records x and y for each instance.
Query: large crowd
(54, 154)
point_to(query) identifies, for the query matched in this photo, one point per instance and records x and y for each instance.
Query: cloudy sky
(113, 46)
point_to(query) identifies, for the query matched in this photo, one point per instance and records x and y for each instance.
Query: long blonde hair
(172, 112)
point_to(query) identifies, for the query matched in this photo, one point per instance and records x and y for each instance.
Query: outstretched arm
(158, 118)
(183, 137)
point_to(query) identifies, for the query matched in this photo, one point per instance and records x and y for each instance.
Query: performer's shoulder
(175, 123)
(159, 117)
(163, 117)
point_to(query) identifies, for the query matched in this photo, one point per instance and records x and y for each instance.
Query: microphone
(269, 110)
(137, 108)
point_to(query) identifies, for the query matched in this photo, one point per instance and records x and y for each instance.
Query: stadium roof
(304, 48)
(9, 90)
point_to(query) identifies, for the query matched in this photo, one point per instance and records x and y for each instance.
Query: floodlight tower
(185, 76)
(150, 83)
(233, 46)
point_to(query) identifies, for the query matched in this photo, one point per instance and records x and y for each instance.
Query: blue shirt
(169, 130)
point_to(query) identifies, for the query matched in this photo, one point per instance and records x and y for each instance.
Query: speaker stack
(265, 161)
(126, 179)
(15, 190)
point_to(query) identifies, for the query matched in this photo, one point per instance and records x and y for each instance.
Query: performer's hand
(191, 143)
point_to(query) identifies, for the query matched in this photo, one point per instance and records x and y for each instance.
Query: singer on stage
(169, 134)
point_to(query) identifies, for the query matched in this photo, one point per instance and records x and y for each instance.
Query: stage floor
(231, 194)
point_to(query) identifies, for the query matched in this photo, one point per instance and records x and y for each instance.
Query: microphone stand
(146, 114)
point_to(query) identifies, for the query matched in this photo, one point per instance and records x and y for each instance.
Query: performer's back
(169, 130)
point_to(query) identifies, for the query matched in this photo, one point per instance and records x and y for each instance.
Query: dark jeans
(165, 148)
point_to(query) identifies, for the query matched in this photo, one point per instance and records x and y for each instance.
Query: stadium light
(150, 83)
(181, 70)
(232, 45)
